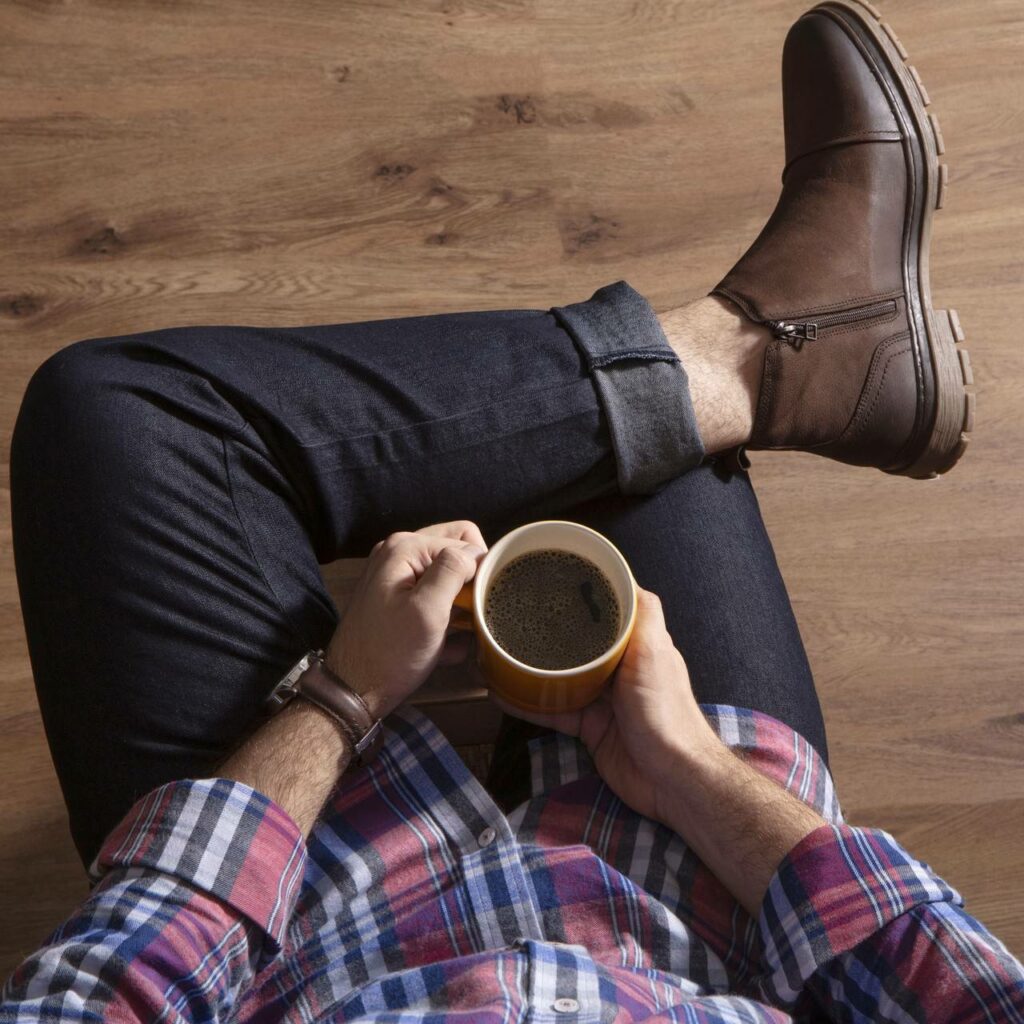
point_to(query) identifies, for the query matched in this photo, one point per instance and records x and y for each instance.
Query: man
(676, 850)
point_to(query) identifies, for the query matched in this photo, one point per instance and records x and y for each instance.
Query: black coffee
(552, 609)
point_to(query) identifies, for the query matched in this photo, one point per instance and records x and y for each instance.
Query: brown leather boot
(861, 368)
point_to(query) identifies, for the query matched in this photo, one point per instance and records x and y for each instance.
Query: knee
(65, 401)
(72, 375)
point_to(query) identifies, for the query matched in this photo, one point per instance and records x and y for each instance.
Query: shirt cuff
(221, 837)
(837, 887)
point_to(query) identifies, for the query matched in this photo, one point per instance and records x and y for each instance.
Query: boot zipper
(797, 333)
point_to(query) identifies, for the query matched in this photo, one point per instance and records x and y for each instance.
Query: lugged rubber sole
(953, 418)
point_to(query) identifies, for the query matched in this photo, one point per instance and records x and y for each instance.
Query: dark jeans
(173, 493)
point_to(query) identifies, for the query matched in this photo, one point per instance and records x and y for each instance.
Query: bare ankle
(723, 355)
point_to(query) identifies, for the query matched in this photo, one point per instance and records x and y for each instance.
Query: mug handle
(462, 608)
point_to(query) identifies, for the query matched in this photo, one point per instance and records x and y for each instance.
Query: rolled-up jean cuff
(641, 385)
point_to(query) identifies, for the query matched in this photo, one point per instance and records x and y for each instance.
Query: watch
(311, 678)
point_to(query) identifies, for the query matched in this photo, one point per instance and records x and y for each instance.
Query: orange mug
(539, 689)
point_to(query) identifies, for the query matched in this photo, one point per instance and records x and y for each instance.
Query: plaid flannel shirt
(416, 899)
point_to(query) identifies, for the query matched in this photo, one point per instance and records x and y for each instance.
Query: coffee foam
(552, 609)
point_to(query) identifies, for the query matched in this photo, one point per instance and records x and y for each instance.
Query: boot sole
(952, 419)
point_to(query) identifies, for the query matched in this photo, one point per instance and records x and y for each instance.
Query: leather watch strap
(321, 686)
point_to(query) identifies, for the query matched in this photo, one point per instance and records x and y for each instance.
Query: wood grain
(283, 163)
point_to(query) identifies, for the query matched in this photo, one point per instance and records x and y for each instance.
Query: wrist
(325, 730)
(739, 822)
(294, 759)
(314, 680)
(697, 763)
(356, 678)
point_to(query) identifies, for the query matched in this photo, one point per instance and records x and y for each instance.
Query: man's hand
(394, 631)
(646, 723)
(391, 637)
(653, 746)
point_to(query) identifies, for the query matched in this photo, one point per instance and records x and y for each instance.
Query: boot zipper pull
(793, 333)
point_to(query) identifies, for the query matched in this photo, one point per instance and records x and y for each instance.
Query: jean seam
(454, 417)
(342, 463)
(285, 617)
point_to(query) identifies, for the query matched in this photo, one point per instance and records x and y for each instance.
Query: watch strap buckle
(369, 741)
(287, 689)
(311, 678)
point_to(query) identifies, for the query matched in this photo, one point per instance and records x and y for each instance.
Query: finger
(561, 721)
(458, 529)
(650, 625)
(650, 645)
(403, 557)
(451, 567)
(387, 545)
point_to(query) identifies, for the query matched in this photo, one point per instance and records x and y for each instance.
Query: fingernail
(475, 550)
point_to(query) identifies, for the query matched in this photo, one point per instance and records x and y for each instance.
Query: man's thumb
(650, 617)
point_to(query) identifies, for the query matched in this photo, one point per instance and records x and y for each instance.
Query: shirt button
(486, 837)
(565, 1006)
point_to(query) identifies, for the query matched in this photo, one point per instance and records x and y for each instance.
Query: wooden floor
(306, 162)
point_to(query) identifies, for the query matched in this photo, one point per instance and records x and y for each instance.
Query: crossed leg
(174, 493)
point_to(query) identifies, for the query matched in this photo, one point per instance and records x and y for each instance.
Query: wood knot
(394, 172)
(443, 198)
(522, 108)
(103, 242)
(440, 238)
(339, 73)
(586, 233)
(19, 306)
